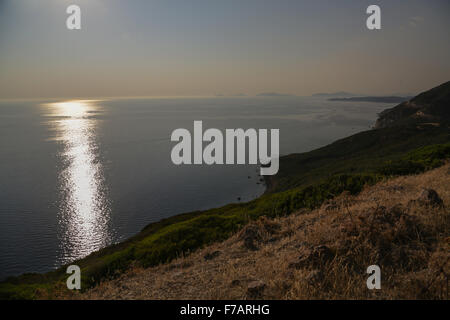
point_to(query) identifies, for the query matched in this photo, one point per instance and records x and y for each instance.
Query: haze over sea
(76, 176)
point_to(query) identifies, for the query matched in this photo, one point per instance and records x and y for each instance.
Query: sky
(229, 47)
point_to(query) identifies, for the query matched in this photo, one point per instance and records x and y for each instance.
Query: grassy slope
(385, 224)
(304, 181)
(360, 153)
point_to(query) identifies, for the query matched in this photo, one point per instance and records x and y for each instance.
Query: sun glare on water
(84, 208)
(73, 108)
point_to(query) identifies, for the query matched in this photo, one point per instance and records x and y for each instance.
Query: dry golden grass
(321, 254)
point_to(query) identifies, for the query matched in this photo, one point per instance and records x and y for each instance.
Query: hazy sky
(204, 47)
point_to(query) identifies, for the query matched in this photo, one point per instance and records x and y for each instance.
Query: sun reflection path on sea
(84, 207)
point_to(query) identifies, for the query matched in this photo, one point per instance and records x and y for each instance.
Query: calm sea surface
(76, 176)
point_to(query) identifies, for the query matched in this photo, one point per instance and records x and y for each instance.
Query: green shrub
(417, 161)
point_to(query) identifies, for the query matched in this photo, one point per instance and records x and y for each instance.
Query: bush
(417, 161)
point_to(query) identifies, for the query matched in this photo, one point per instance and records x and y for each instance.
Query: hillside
(317, 254)
(305, 181)
(422, 121)
(431, 106)
(367, 152)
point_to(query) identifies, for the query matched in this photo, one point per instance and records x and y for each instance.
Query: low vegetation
(400, 224)
(417, 161)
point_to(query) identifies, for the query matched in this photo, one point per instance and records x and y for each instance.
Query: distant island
(274, 94)
(240, 94)
(334, 94)
(386, 99)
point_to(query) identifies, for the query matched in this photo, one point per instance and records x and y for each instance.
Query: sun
(73, 108)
